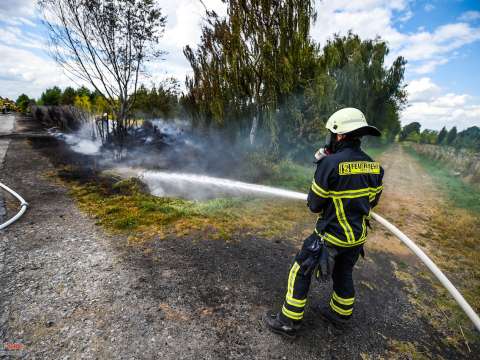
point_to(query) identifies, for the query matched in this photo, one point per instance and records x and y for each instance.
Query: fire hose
(433, 268)
(23, 207)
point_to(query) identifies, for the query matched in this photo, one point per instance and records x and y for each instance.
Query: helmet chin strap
(331, 142)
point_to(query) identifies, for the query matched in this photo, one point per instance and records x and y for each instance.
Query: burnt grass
(224, 287)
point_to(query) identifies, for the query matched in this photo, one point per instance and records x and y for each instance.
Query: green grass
(292, 176)
(463, 195)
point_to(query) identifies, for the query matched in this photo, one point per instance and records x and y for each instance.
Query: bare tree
(105, 43)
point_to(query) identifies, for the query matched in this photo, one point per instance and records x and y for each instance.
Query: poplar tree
(248, 62)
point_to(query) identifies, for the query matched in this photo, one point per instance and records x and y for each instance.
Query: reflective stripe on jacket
(346, 186)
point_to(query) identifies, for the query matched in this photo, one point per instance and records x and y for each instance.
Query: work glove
(326, 263)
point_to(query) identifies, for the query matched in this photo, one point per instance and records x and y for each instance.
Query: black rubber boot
(278, 325)
(339, 322)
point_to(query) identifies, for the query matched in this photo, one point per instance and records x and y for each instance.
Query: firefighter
(346, 186)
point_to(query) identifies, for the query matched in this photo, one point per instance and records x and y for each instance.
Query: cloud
(25, 8)
(425, 50)
(423, 89)
(429, 7)
(13, 35)
(22, 71)
(469, 16)
(184, 18)
(431, 107)
(428, 66)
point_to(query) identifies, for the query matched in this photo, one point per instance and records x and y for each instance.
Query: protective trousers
(343, 295)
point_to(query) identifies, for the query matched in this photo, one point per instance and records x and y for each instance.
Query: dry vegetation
(126, 207)
(441, 214)
(464, 162)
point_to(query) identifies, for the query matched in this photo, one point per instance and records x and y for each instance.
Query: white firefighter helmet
(350, 121)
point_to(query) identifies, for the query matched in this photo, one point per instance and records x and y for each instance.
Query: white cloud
(17, 8)
(431, 107)
(18, 12)
(428, 66)
(13, 35)
(22, 71)
(423, 89)
(470, 16)
(184, 18)
(429, 7)
(425, 50)
(368, 19)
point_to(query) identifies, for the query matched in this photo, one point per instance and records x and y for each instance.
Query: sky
(439, 38)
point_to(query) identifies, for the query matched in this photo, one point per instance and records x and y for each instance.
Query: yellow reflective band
(342, 220)
(364, 227)
(296, 302)
(292, 315)
(291, 283)
(356, 191)
(291, 279)
(350, 194)
(342, 243)
(318, 190)
(341, 300)
(339, 310)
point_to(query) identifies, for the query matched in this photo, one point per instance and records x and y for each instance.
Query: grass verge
(458, 192)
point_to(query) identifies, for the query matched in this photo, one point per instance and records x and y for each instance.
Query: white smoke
(84, 141)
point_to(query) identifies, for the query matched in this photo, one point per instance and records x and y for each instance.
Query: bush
(259, 166)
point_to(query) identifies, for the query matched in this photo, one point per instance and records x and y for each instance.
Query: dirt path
(409, 200)
(68, 290)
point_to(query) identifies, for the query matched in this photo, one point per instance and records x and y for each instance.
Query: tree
(452, 134)
(363, 81)
(249, 62)
(51, 96)
(68, 96)
(106, 44)
(442, 135)
(469, 138)
(412, 129)
(83, 91)
(83, 102)
(428, 137)
(22, 103)
(258, 73)
(160, 101)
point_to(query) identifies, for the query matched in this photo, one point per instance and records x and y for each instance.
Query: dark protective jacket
(346, 186)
